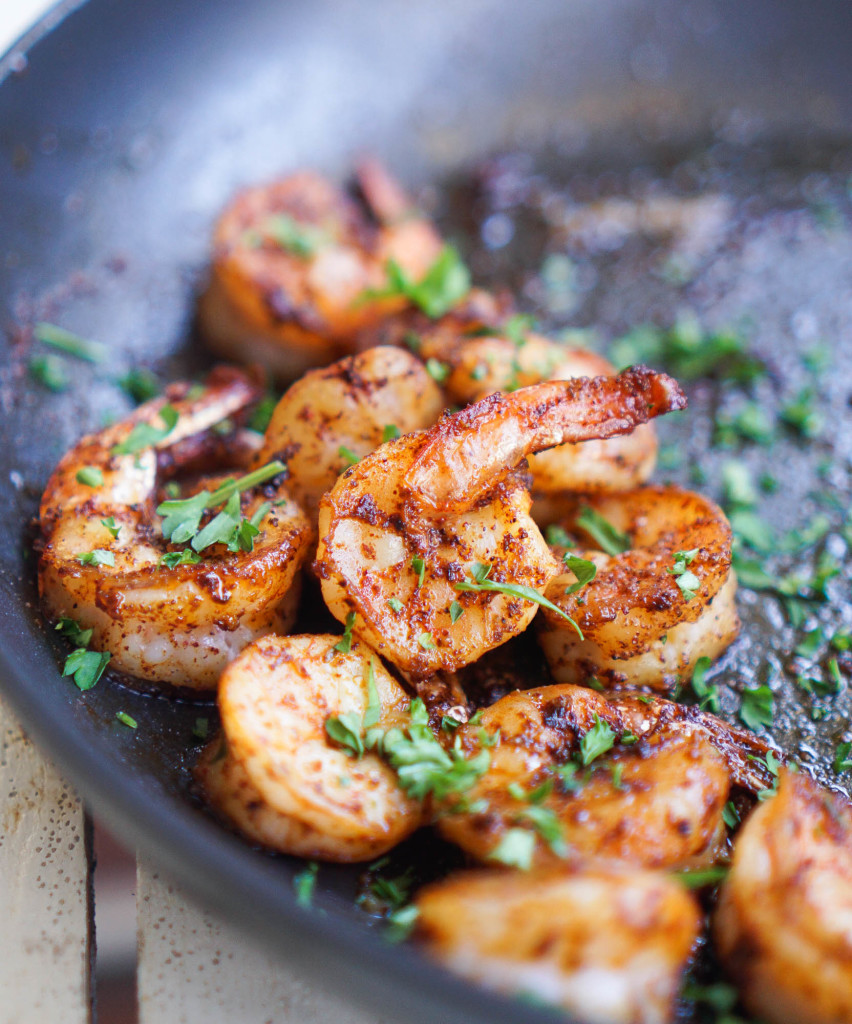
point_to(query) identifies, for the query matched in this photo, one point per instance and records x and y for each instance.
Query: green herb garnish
(757, 709)
(86, 667)
(602, 532)
(688, 582)
(584, 569)
(97, 557)
(73, 344)
(49, 371)
(304, 883)
(344, 644)
(597, 740)
(89, 476)
(125, 719)
(146, 435)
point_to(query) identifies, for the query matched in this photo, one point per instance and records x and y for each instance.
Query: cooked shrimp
(336, 415)
(294, 262)
(480, 350)
(653, 797)
(279, 778)
(639, 628)
(181, 624)
(783, 926)
(399, 532)
(607, 945)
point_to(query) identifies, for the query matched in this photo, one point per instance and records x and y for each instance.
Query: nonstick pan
(125, 127)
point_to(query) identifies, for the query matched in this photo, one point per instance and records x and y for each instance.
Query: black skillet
(125, 126)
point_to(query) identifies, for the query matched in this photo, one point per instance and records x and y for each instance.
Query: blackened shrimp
(783, 926)
(574, 775)
(425, 542)
(298, 268)
(609, 946)
(275, 773)
(652, 611)
(169, 613)
(334, 416)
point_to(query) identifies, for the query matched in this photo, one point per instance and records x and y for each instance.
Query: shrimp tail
(467, 454)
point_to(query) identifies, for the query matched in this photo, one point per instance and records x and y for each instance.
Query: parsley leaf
(597, 740)
(125, 719)
(702, 877)
(112, 526)
(419, 566)
(139, 384)
(303, 240)
(185, 557)
(842, 758)
(146, 435)
(71, 630)
(437, 370)
(73, 344)
(89, 476)
(456, 612)
(346, 730)
(556, 536)
(757, 707)
(86, 667)
(97, 557)
(304, 883)
(426, 641)
(390, 432)
(584, 569)
(348, 456)
(688, 582)
(481, 583)
(602, 532)
(395, 604)
(49, 371)
(344, 644)
(707, 693)
(515, 849)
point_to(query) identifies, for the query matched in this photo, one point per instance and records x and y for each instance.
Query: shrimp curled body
(280, 779)
(178, 625)
(609, 946)
(401, 530)
(783, 926)
(639, 628)
(654, 798)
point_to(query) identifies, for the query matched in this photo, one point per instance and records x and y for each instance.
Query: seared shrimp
(609, 946)
(783, 926)
(403, 533)
(640, 625)
(277, 776)
(479, 349)
(653, 796)
(335, 416)
(105, 560)
(295, 263)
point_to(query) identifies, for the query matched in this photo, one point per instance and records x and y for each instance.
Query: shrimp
(640, 628)
(295, 262)
(177, 624)
(480, 349)
(276, 775)
(655, 800)
(783, 926)
(339, 414)
(400, 532)
(609, 946)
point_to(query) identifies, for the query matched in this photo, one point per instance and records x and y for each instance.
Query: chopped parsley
(843, 757)
(730, 814)
(89, 476)
(49, 371)
(602, 532)
(758, 707)
(419, 566)
(303, 240)
(125, 719)
(456, 612)
(146, 435)
(688, 582)
(738, 485)
(184, 557)
(707, 693)
(597, 740)
(71, 630)
(112, 526)
(86, 667)
(702, 877)
(437, 370)
(304, 883)
(67, 341)
(441, 288)
(201, 728)
(390, 432)
(97, 557)
(802, 414)
(480, 583)
(401, 923)
(395, 604)
(344, 644)
(139, 384)
(348, 456)
(584, 569)
(556, 536)
(426, 641)
(182, 517)
(515, 849)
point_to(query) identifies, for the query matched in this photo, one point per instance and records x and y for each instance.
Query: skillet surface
(125, 129)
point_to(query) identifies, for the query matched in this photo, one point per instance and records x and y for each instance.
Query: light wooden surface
(193, 969)
(44, 889)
